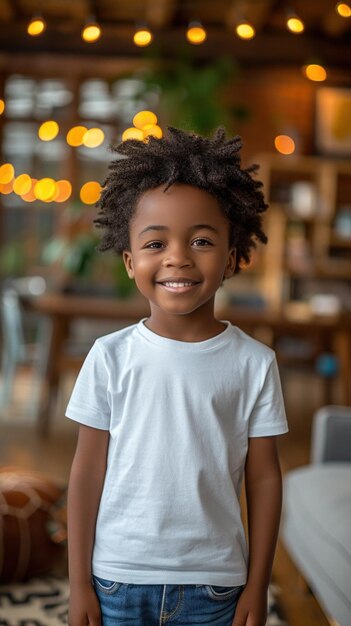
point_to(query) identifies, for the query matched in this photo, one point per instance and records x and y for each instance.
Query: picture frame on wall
(333, 121)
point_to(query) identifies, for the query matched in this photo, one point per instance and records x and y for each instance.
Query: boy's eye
(201, 242)
(154, 245)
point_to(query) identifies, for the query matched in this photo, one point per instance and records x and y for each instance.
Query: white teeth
(178, 284)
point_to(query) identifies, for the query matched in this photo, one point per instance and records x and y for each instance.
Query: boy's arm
(264, 500)
(84, 493)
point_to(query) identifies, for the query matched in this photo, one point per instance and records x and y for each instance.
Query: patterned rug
(43, 602)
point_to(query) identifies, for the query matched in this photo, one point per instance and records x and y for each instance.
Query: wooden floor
(20, 445)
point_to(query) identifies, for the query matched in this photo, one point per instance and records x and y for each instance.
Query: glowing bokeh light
(143, 118)
(45, 189)
(91, 32)
(245, 31)
(152, 130)
(2, 106)
(36, 26)
(343, 9)
(22, 184)
(142, 37)
(48, 130)
(7, 188)
(133, 133)
(93, 138)
(7, 173)
(90, 192)
(75, 136)
(295, 25)
(63, 191)
(315, 72)
(30, 196)
(284, 144)
(196, 34)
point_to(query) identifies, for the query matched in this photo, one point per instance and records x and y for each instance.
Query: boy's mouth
(180, 286)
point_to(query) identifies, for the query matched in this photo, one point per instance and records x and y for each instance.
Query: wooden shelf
(323, 254)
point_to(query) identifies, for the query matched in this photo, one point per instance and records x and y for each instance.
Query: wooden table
(334, 334)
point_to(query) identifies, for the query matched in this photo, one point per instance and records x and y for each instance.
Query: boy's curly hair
(180, 157)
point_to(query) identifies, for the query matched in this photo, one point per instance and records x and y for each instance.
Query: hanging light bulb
(315, 72)
(196, 33)
(142, 36)
(36, 26)
(91, 31)
(343, 9)
(245, 30)
(294, 23)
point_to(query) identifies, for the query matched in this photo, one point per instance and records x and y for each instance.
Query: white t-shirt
(179, 415)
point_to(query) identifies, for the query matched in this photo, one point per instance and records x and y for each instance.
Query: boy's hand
(251, 609)
(84, 609)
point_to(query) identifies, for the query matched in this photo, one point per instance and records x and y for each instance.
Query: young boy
(175, 409)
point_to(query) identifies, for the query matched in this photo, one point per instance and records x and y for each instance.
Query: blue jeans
(123, 604)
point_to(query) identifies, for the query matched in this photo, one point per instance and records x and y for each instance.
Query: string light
(343, 9)
(315, 72)
(91, 31)
(142, 36)
(36, 26)
(244, 30)
(295, 24)
(196, 33)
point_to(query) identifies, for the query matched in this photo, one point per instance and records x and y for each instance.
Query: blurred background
(75, 78)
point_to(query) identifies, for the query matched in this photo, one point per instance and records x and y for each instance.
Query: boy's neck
(189, 328)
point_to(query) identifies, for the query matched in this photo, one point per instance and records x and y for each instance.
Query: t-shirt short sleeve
(89, 402)
(268, 415)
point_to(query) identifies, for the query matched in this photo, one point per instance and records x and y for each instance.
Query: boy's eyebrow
(195, 227)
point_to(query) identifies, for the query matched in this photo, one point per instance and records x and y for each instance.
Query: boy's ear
(128, 262)
(231, 263)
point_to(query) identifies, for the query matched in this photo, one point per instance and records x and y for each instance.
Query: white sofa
(316, 521)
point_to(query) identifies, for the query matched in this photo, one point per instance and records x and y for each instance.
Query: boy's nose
(178, 257)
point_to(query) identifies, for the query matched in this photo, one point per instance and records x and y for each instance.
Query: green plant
(80, 260)
(191, 95)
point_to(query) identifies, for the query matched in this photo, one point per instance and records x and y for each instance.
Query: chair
(21, 343)
(317, 512)
(331, 435)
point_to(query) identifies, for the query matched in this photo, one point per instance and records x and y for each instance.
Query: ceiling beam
(7, 11)
(273, 48)
(334, 25)
(160, 14)
(256, 12)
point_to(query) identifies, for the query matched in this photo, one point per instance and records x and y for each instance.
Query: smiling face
(179, 254)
